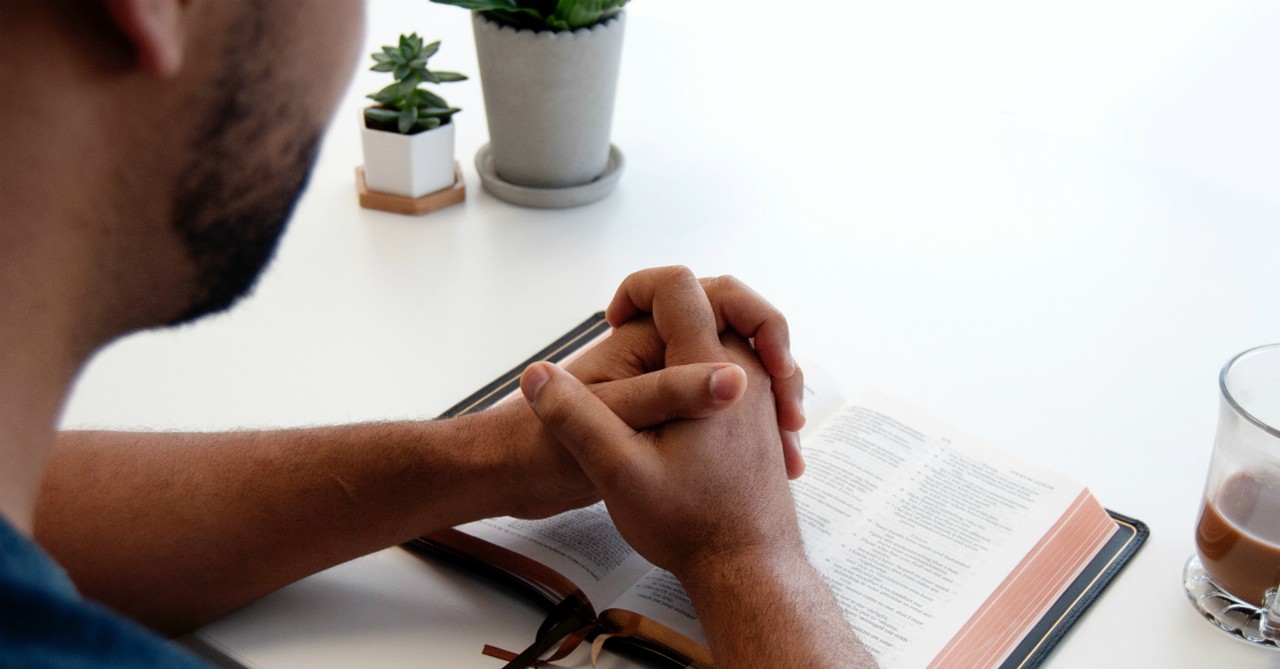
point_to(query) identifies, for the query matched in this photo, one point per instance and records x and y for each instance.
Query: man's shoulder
(45, 623)
(39, 630)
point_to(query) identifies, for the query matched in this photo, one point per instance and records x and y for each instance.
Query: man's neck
(36, 379)
(46, 283)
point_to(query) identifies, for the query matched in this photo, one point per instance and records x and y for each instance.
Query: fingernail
(726, 382)
(534, 377)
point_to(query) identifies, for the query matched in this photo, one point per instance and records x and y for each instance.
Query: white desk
(1049, 227)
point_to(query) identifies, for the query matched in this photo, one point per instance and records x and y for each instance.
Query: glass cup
(1234, 577)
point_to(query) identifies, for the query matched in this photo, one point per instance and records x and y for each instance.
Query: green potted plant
(408, 136)
(549, 71)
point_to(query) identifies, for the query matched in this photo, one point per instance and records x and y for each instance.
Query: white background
(1050, 226)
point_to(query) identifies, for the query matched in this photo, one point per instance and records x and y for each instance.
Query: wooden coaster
(412, 206)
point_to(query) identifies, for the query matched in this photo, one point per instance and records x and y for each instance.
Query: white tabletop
(1049, 227)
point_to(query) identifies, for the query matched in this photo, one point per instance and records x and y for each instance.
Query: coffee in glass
(1235, 575)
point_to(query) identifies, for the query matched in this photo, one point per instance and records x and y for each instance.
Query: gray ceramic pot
(549, 100)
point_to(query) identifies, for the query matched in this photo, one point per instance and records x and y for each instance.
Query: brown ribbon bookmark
(571, 620)
(597, 646)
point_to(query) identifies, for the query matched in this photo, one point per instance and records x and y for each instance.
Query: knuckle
(719, 288)
(556, 413)
(671, 386)
(559, 411)
(638, 274)
(634, 349)
(729, 282)
(676, 274)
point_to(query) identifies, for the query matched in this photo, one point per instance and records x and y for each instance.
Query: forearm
(177, 529)
(772, 611)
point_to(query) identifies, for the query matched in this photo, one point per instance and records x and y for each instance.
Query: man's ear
(155, 29)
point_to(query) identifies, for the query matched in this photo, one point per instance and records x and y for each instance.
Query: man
(150, 152)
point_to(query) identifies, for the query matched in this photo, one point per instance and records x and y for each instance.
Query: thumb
(595, 436)
(695, 390)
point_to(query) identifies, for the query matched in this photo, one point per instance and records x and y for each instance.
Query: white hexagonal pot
(407, 165)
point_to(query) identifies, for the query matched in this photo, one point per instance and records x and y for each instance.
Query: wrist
(716, 570)
(771, 608)
(534, 476)
(493, 438)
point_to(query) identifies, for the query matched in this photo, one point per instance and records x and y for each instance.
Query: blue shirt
(44, 622)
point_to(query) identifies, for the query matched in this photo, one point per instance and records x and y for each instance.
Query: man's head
(254, 143)
(206, 119)
(150, 152)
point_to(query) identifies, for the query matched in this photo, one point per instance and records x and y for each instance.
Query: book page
(582, 545)
(914, 525)
(658, 595)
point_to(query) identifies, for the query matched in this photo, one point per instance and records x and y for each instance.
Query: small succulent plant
(405, 106)
(553, 15)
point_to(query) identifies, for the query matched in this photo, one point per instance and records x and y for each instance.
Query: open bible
(940, 551)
